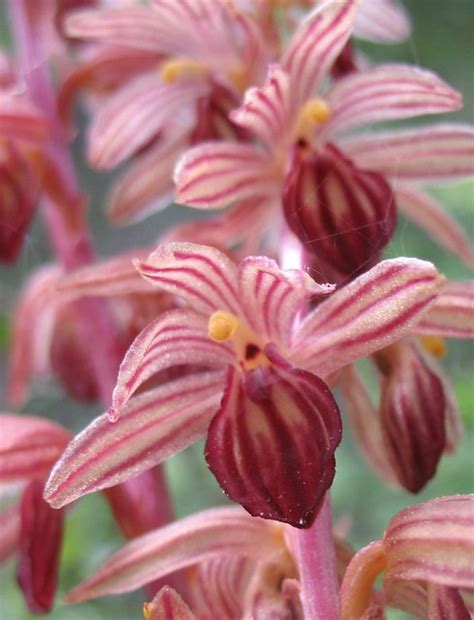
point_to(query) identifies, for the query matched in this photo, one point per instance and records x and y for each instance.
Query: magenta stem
(316, 561)
(66, 223)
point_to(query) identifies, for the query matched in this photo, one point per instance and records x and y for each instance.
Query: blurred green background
(441, 41)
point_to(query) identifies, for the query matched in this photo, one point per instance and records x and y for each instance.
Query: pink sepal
(39, 550)
(452, 314)
(167, 605)
(195, 539)
(152, 427)
(29, 446)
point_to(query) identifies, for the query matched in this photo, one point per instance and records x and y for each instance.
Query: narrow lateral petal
(446, 603)
(433, 542)
(271, 446)
(200, 537)
(167, 605)
(9, 531)
(134, 116)
(435, 153)
(29, 446)
(365, 422)
(40, 547)
(19, 120)
(32, 332)
(146, 187)
(130, 27)
(425, 211)
(267, 112)
(387, 92)
(215, 175)
(106, 278)
(152, 427)
(371, 312)
(178, 337)
(203, 276)
(452, 314)
(316, 45)
(272, 298)
(382, 21)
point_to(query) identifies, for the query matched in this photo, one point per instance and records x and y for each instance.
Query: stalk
(316, 560)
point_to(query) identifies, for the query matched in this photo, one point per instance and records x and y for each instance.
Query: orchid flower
(417, 419)
(338, 193)
(172, 72)
(46, 338)
(426, 559)
(29, 446)
(265, 353)
(237, 567)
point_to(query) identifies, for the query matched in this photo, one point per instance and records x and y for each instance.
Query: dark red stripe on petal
(271, 446)
(40, 546)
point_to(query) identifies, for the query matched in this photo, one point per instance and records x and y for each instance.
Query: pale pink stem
(316, 561)
(67, 225)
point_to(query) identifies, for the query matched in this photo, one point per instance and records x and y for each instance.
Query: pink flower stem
(66, 223)
(316, 561)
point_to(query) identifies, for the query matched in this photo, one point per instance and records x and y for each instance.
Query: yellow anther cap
(434, 345)
(222, 325)
(175, 68)
(316, 111)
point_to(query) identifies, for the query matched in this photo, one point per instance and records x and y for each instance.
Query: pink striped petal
(152, 427)
(387, 92)
(215, 175)
(446, 603)
(147, 186)
(382, 21)
(41, 531)
(33, 325)
(29, 446)
(365, 422)
(267, 112)
(271, 446)
(452, 314)
(435, 153)
(178, 337)
(135, 115)
(19, 120)
(128, 27)
(316, 45)
(167, 605)
(272, 298)
(198, 538)
(109, 277)
(9, 531)
(203, 276)
(433, 542)
(369, 313)
(425, 211)
(221, 584)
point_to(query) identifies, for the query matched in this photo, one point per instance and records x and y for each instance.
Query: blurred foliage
(441, 41)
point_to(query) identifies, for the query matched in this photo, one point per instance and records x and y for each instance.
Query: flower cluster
(246, 328)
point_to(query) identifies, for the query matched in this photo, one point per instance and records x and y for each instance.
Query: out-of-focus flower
(22, 133)
(29, 446)
(46, 336)
(337, 196)
(250, 327)
(167, 75)
(426, 559)
(417, 419)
